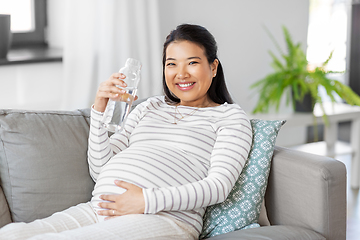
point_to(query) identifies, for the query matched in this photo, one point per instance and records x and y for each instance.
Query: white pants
(80, 222)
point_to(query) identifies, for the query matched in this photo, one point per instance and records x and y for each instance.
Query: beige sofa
(43, 169)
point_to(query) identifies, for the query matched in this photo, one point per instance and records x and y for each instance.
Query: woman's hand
(108, 90)
(130, 202)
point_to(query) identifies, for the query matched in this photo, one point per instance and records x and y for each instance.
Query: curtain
(99, 37)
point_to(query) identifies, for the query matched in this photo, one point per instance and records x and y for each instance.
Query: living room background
(239, 28)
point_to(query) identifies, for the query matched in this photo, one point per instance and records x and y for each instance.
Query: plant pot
(5, 35)
(306, 105)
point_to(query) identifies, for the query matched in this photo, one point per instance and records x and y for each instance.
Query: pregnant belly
(147, 167)
(118, 169)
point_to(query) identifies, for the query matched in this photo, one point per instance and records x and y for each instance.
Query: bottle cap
(133, 62)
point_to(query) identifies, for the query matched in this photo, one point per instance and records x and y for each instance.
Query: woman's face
(188, 73)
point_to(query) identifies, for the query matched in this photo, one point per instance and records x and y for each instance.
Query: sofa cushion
(43, 161)
(242, 207)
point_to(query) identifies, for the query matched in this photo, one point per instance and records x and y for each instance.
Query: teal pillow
(241, 209)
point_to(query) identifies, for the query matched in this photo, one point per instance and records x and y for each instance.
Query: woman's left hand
(130, 202)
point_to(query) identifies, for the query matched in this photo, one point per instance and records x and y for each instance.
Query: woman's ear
(214, 67)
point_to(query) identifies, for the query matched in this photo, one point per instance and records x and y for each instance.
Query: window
(28, 21)
(328, 32)
(328, 21)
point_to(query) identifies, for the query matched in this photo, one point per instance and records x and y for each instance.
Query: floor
(353, 195)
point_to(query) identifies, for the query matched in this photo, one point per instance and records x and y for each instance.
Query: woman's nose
(182, 73)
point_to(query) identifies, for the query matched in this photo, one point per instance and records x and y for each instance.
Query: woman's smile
(185, 86)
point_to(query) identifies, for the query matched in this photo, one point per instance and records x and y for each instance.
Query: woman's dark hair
(201, 36)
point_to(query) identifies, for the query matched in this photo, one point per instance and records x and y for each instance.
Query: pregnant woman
(177, 154)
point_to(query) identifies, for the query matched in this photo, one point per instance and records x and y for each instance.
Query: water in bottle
(116, 112)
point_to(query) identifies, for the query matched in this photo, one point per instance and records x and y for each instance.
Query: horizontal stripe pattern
(181, 167)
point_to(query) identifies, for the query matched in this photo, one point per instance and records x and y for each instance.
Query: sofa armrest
(309, 191)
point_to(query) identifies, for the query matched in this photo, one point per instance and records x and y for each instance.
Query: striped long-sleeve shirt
(181, 167)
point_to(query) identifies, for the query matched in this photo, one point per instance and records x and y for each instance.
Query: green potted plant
(295, 79)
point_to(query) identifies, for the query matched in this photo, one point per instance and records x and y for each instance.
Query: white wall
(33, 86)
(236, 24)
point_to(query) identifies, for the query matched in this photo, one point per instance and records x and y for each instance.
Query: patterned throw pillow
(241, 209)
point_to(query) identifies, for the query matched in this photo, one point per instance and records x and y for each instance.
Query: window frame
(354, 72)
(36, 37)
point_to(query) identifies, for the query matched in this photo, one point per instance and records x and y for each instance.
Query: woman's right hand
(108, 90)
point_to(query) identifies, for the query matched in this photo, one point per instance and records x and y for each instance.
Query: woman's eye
(170, 64)
(193, 62)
